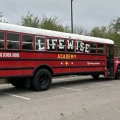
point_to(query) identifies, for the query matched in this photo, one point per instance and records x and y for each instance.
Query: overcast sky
(87, 13)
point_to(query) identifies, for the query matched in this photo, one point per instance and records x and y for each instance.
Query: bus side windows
(82, 47)
(70, 45)
(51, 44)
(13, 41)
(1, 39)
(100, 48)
(93, 47)
(27, 42)
(61, 45)
(40, 43)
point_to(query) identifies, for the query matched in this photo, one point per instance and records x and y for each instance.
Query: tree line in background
(112, 31)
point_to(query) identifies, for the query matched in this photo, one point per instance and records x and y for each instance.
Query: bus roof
(37, 31)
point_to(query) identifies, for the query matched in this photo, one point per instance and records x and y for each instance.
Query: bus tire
(17, 83)
(95, 76)
(42, 80)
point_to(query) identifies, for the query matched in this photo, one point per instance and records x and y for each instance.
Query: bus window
(61, 45)
(13, 41)
(1, 39)
(100, 48)
(70, 45)
(51, 44)
(93, 47)
(82, 47)
(79, 46)
(27, 42)
(40, 43)
(87, 47)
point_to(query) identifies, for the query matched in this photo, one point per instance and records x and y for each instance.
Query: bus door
(110, 60)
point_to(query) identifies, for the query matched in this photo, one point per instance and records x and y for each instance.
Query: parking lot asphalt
(69, 98)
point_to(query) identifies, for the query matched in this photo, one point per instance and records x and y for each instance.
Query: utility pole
(72, 16)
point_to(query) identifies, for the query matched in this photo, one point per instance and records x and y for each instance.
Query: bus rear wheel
(42, 80)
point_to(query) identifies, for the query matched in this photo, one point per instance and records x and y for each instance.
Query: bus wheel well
(43, 67)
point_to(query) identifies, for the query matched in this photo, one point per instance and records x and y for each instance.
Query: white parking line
(105, 84)
(15, 96)
(59, 79)
(47, 98)
(70, 89)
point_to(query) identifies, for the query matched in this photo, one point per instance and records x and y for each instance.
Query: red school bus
(40, 54)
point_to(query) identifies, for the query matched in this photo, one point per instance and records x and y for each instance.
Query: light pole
(72, 16)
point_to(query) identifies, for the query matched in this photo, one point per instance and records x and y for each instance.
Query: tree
(105, 32)
(77, 30)
(115, 25)
(51, 23)
(67, 29)
(2, 19)
(101, 32)
(30, 20)
(110, 32)
(80, 31)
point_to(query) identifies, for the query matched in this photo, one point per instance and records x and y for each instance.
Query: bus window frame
(104, 49)
(35, 42)
(89, 47)
(48, 37)
(59, 38)
(22, 41)
(34, 49)
(96, 48)
(3, 40)
(7, 39)
(67, 45)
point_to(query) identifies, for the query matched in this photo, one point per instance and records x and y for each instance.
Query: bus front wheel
(42, 80)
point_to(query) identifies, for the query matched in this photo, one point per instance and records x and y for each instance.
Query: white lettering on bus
(87, 48)
(40, 47)
(70, 44)
(81, 46)
(60, 44)
(15, 54)
(51, 44)
(54, 43)
(9, 55)
(77, 45)
(48, 45)
(90, 63)
(0, 54)
(6, 54)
